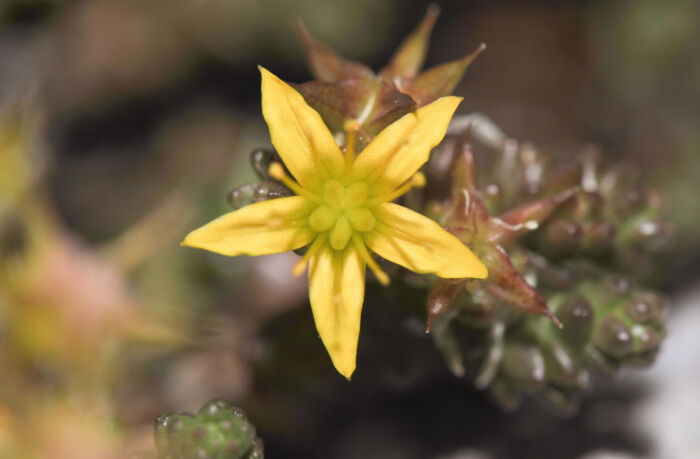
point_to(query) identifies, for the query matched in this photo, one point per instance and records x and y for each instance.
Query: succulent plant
(607, 322)
(568, 243)
(218, 431)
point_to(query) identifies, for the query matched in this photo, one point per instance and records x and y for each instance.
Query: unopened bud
(524, 366)
(576, 313)
(613, 337)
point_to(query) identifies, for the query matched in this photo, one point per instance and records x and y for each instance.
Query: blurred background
(125, 123)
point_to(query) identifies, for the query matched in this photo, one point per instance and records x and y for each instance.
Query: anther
(418, 180)
(276, 171)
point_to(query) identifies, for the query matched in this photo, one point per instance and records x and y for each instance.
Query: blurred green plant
(218, 431)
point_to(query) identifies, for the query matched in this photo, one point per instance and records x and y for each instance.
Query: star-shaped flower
(342, 210)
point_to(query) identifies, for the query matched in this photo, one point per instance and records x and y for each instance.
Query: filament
(417, 181)
(381, 276)
(351, 127)
(276, 171)
(299, 268)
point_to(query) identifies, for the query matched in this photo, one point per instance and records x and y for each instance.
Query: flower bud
(613, 337)
(560, 237)
(523, 366)
(596, 237)
(563, 367)
(647, 306)
(577, 315)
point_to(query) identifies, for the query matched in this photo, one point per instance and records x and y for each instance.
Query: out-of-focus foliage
(68, 316)
(648, 57)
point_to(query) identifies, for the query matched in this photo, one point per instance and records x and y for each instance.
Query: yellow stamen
(276, 171)
(417, 181)
(351, 127)
(381, 276)
(300, 267)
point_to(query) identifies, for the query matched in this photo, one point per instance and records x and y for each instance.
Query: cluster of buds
(607, 321)
(562, 241)
(218, 430)
(612, 218)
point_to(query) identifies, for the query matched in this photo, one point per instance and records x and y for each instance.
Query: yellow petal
(421, 245)
(337, 290)
(404, 146)
(262, 228)
(298, 133)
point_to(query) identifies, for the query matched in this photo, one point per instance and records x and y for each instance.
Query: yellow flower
(341, 209)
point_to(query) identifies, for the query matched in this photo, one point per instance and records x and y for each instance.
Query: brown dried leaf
(326, 65)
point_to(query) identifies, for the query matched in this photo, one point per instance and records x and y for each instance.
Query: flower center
(343, 211)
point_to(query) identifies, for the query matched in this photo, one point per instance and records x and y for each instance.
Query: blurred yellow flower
(343, 208)
(15, 166)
